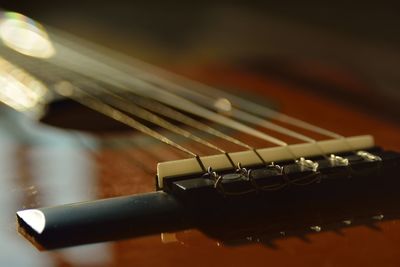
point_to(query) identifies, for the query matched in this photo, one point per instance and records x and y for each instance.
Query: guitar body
(44, 165)
(362, 245)
(55, 166)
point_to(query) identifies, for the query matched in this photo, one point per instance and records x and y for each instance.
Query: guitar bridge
(266, 179)
(357, 163)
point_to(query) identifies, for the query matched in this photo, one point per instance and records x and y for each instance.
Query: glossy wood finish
(115, 168)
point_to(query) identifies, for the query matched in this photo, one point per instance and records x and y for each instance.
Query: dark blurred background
(346, 50)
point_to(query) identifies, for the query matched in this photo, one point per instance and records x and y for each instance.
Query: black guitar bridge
(354, 170)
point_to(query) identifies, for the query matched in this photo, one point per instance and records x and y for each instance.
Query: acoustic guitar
(168, 171)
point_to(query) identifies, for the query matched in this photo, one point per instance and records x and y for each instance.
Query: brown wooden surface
(129, 169)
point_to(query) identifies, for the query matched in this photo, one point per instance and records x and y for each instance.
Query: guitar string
(285, 118)
(201, 111)
(148, 90)
(92, 102)
(228, 122)
(247, 117)
(171, 113)
(178, 116)
(222, 151)
(118, 102)
(157, 120)
(237, 114)
(246, 105)
(114, 115)
(155, 74)
(141, 86)
(168, 97)
(242, 115)
(337, 136)
(281, 143)
(166, 111)
(68, 90)
(250, 118)
(133, 109)
(175, 115)
(149, 117)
